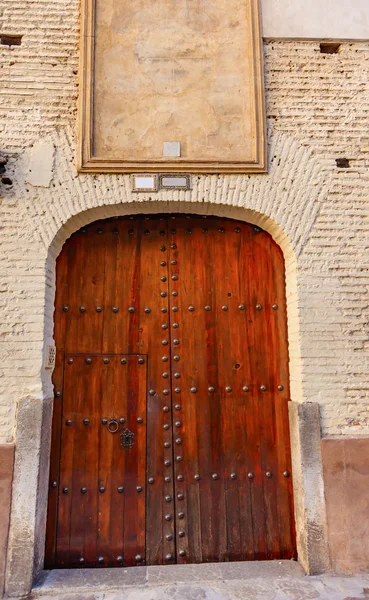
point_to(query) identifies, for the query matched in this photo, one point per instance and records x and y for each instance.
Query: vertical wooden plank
(251, 509)
(185, 427)
(122, 286)
(135, 465)
(221, 279)
(258, 375)
(61, 299)
(201, 449)
(278, 311)
(113, 382)
(238, 514)
(154, 341)
(67, 301)
(65, 485)
(79, 458)
(264, 379)
(84, 327)
(112, 470)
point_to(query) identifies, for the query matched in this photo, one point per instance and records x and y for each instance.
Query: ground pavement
(274, 580)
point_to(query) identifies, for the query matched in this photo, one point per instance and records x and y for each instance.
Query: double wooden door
(170, 439)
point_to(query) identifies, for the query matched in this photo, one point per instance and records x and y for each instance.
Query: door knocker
(127, 438)
(112, 425)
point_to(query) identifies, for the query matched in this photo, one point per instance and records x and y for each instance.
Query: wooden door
(103, 462)
(170, 430)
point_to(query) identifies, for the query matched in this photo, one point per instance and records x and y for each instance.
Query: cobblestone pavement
(277, 580)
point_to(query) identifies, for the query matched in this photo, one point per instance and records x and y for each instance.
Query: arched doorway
(170, 435)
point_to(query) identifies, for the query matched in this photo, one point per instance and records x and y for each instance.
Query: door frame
(25, 555)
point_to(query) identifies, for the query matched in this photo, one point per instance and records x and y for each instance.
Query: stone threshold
(67, 581)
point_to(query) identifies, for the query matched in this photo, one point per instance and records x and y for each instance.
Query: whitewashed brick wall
(317, 111)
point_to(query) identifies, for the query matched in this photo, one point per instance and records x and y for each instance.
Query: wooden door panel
(101, 517)
(228, 352)
(201, 302)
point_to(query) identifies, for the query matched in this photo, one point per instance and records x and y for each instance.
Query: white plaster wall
(332, 19)
(317, 112)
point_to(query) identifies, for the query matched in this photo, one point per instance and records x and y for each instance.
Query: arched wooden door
(170, 434)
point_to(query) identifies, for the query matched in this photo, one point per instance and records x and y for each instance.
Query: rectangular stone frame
(88, 163)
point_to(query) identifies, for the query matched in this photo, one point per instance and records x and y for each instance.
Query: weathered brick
(317, 112)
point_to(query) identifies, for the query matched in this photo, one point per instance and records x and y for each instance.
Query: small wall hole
(10, 39)
(6, 181)
(343, 163)
(330, 48)
(237, 366)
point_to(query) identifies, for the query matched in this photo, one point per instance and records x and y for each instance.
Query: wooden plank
(246, 411)
(86, 257)
(135, 464)
(239, 524)
(110, 457)
(79, 460)
(265, 374)
(257, 370)
(62, 298)
(154, 342)
(287, 533)
(122, 286)
(201, 445)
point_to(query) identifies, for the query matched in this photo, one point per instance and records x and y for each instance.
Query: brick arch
(290, 194)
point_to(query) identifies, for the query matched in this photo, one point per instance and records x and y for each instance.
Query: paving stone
(252, 590)
(78, 580)
(180, 592)
(184, 574)
(212, 572)
(99, 596)
(265, 569)
(274, 580)
(298, 590)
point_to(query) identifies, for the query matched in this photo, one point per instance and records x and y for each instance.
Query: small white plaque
(145, 183)
(172, 149)
(175, 182)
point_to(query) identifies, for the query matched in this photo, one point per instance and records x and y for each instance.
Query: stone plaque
(171, 86)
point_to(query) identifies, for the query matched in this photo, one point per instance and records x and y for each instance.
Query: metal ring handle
(113, 426)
